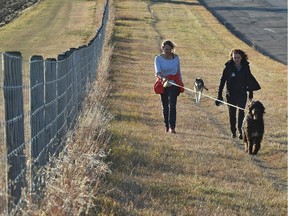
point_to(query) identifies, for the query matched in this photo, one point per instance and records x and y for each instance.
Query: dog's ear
(262, 107)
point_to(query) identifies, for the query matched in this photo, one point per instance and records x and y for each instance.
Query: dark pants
(239, 101)
(169, 101)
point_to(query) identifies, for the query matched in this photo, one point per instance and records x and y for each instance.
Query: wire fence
(39, 109)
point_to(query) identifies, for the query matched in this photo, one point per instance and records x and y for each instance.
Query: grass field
(199, 170)
(52, 27)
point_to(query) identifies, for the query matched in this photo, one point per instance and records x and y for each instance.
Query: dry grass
(52, 27)
(73, 178)
(200, 170)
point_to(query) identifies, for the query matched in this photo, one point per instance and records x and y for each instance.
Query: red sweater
(158, 86)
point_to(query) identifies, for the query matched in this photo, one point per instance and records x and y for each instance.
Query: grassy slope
(51, 27)
(200, 170)
(48, 28)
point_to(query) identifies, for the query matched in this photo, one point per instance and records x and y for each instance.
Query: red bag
(158, 87)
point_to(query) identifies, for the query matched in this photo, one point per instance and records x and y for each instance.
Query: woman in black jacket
(239, 80)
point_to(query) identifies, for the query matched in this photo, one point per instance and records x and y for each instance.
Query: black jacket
(237, 82)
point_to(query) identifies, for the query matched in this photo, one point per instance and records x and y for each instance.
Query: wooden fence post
(37, 123)
(14, 128)
(69, 81)
(51, 105)
(61, 100)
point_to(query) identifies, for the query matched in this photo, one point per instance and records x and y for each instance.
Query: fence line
(56, 91)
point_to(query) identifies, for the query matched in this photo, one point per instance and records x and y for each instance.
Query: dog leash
(224, 102)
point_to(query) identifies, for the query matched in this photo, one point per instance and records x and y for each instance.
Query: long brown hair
(240, 52)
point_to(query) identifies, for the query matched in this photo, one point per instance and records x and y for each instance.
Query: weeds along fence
(39, 110)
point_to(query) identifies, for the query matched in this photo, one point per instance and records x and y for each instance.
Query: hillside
(200, 170)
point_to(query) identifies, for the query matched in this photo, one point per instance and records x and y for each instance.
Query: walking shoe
(233, 135)
(240, 136)
(172, 131)
(167, 129)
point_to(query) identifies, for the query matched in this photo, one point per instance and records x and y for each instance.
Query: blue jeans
(239, 101)
(169, 101)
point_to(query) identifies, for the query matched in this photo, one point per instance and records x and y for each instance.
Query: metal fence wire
(55, 92)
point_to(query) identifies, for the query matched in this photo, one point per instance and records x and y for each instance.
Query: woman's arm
(157, 66)
(179, 69)
(223, 80)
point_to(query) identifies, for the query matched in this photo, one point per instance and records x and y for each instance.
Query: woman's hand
(164, 79)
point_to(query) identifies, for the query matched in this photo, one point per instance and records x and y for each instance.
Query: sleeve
(223, 80)
(179, 69)
(157, 66)
(250, 94)
(252, 84)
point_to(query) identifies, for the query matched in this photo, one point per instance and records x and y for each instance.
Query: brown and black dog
(253, 127)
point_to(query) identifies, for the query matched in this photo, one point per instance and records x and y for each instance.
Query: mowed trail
(200, 160)
(207, 115)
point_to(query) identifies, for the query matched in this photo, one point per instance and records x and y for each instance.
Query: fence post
(38, 148)
(74, 112)
(83, 72)
(61, 100)
(50, 105)
(69, 81)
(14, 128)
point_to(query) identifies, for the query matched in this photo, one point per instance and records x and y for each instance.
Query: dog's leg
(245, 141)
(246, 146)
(250, 146)
(197, 97)
(196, 92)
(257, 146)
(255, 149)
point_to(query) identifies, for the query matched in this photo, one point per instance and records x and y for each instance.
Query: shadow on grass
(175, 2)
(263, 9)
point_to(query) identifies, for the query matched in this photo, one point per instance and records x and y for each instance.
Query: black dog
(253, 127)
